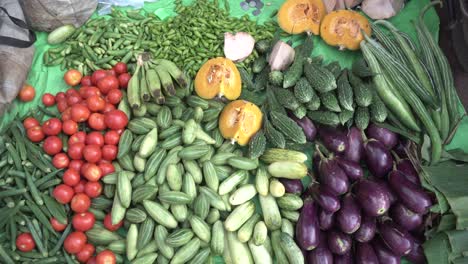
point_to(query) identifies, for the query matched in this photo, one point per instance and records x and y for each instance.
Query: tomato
(66, 115)
(120, 131)
(80, 187)
(124, 78)
(48, 99)
(92, 153)
(96, 121)
(60, 96)
(88, 91)
(76, 164)
(72, 77)
(93, 189)
(98, 75)
(114, 96)
(86, 81)
(111, 72)
(74, 99)
(71, 177)
(109, 152)
(92, 260)
(56, 225)
(79, 113)
(91, 172)
(79, 136)
(109, 107)
(25, 242)
(83, 221)
(30, 122)
(60, 161)
(63, 193)
(69, 127)
(95, 103)
(80, 203)
(27, 93)
(52, 145)
(106, 168)
(62, 105)
(108, 83)
(75, 242)
(105, 257)
(95, 138)
(108, 223)
(111, 137)
(35, 134)
(116, 119)
(52, 127)
(120, 67)
(72, 92)
(86, 253)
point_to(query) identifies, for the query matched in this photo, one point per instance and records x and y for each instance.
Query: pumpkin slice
(298, 16)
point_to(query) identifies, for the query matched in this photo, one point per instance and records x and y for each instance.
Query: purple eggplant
(307, 126)
(408, 169)
(366, 231)
(352, 169)
(372, 198)
(416, 255)
(401, 147)
(405, 217)
(410, 194)
(333, 139)
(384, 254)
(327, 200)
(307, 227)
(348, 218)
(355, 145)
(326, 220)
(333, 177)
(386, 187)
(365, 254)
(378, 158)
(292, 186)
(338, 242)
(343, 259)
(387, 137)
(395, 237)
(320, 255)
(316, 163)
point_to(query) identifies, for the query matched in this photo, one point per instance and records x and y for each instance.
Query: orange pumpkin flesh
(239, 121)
(298, 16)
(218, 77)
(342, 28)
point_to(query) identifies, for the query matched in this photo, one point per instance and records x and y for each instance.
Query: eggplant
(385, 136)
(307, 227)
(327, 200)
(365, 254)
(326, 220)
(355, 148)
(352, 169)
(384, 254)
(386, 187)
(400, 148)
(333, 139)
(348, 218)
(416, 255)
(292, 186)
(307, 126)
(333, 177)
(410, 194)
(373, 199)
(338, 242)
(407, 168)
(316, 162)
(343, 259)
(366, 231)
(396, 238)
(320, 255)
(405, 217)
(378, 158)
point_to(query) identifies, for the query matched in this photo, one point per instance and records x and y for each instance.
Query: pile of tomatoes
(91, 125)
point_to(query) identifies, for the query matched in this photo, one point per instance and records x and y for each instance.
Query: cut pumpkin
(298, 16)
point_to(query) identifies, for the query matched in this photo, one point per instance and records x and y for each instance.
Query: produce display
(205, 138)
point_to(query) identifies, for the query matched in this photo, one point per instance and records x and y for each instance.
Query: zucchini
(303, 91)
(345, 92)
(319, 77)
(330, 101)
(288, 127)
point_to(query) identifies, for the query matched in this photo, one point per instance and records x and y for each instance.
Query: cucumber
(275, 154)
(145, 192)
(164, 117)
(201, 257)
(257, 145)
(186, 252)
(160, 236)
(217, 238)
(160, 214)
(345, 92)
(271, 213)
(262, 181)
(260, 233)
(124, 189)
(287, 169)
(145, 232)
(330, 101)
(288, 127)
(201, 206)
(290, 248)
(276, 188)
(243, 194)
(239, 252)
(60, 34)
(243, 163)
(132, 238)
(210, 175)
(179, 237)
(287, 227)
(246, 231)
(135, 215)
(279, 253)
(290, 202)
(260, 253)
(239, 216)
(174, 197)
(324, 118)
(228, 184)
(303, 91)
(100, 236)
(321, 79)
(200, 228)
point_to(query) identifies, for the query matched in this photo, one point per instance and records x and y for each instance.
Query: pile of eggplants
(350, 216)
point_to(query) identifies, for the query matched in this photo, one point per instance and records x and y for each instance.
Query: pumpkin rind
(298, 16)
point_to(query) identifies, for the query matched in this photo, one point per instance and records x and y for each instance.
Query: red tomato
(63, 193)
(79, 136)
(66, 115)
(60, 96)
(80, 187)
(93, 189)
(88, 91)
(108, 83)
(30, 122)
(79, 113)
(107, 168)
(95, 138)
(114, 96)
(98, 75)
(91, 172)
(69, 127)
(92, 153)
(116, 119)
(95, 103)
(96, 122)
(109, 152)
(35, 134)
(120, 131)
(109, 107)
(27, 93)
(72, 92)
(85, 254)
(73, 99)
(72, 77)
(86, 81)
(83, 221)
(124, 78)
(120, 67)
(62, 105)
(111, 72)
(60, 161)
(105, 257)
(75, 242)
(76, 164)
(71, 177)
(52, 127)
(92, 260)
(52, 145)
(56, 225)
(48, 99)
(80, 203)
(111, 137)
(25, 242)
(108, 223)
